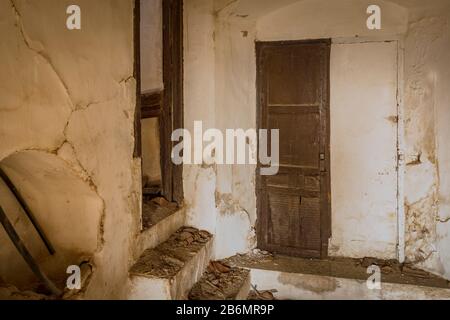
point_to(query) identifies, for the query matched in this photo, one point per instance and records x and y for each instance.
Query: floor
(346, 268)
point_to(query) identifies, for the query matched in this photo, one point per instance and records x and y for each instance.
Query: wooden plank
(172, 111)
(20, 246)
(152, 105)
(166, 124)
(27, 211)
(178, 94)
(137, 75)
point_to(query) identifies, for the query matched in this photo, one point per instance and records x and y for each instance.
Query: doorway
(293, 96)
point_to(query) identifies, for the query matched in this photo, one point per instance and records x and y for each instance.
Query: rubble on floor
(166, 260)
(156, 210)
(261, 295)
(220, 282)
(37, 290)
(254, 257)
(8, 292)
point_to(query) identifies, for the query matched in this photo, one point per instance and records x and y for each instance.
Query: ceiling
(257, 8)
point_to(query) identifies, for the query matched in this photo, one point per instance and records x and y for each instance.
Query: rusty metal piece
(18, 243)
(27, 210)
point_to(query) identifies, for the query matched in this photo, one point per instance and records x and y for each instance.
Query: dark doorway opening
(160, 108)
(294, 215)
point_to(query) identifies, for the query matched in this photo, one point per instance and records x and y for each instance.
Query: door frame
(325, 210)
(167, 105)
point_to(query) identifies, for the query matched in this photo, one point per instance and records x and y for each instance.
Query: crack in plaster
(85, 176)
(42, 54)
(444, 220)
(125, 80)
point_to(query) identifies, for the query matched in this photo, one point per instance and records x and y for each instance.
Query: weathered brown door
(293, 96)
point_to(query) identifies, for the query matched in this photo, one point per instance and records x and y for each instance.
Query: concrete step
(160, 232)
(221, 282)
(169, 271)
(288, 278)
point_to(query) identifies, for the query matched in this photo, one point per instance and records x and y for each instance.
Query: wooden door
(293, 96)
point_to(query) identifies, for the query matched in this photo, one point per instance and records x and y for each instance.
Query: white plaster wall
(199, 101)
(72, 94)
(427, 103)
(364, 149)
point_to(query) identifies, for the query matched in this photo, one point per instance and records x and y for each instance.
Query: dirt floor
(166, 260)
(347, 268)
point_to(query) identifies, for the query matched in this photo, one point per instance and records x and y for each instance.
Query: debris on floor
(156, 210)
(261, 295)
(168, 258)
(256, 256)
(9, 292)
(220, 282)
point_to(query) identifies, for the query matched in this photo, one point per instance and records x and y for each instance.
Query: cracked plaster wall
(71, 95)
(427, 118)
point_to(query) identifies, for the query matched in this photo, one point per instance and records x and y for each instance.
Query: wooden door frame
(173, 105)
(325, 211)
(167, 105)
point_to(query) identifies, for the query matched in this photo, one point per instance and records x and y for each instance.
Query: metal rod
(27, 210)
(26, 254)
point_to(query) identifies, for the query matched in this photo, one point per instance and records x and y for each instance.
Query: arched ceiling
(257, 8)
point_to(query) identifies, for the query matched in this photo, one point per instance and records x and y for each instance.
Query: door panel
(293, 206)
(364, 145)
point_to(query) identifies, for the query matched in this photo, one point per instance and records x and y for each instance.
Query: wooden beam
(18, 243)
(137, 75)
(152, 105)
(172, 115)
(27, 210)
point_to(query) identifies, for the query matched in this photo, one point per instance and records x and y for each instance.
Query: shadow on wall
(65, 205)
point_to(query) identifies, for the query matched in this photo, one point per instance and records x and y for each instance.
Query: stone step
(169, 271)
(160, 231)
(221, 282)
